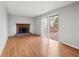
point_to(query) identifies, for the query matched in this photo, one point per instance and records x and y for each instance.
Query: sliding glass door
(49, 34)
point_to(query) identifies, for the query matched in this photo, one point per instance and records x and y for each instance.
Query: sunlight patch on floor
(53, 48)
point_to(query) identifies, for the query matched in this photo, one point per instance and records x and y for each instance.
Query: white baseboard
(70, 45)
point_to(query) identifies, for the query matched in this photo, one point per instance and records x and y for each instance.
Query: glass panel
(53, 36)
(44, 35)
(53, 32)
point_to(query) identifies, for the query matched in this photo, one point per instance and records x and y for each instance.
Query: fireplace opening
(23, 28)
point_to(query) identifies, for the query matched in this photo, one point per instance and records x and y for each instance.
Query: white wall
(3, 26)
(69, 21)
(68, 24)
(13, 20)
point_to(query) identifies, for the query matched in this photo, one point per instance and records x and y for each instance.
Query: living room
(39, 28)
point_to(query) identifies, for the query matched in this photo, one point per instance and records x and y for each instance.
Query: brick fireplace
(23, 28)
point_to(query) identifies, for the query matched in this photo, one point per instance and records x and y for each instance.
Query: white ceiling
(33, 8)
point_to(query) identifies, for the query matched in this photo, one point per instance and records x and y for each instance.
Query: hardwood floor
(31, 46)
(23, 46)
(61, 50)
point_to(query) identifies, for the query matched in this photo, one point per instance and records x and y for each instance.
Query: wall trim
(70, 45)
